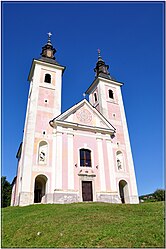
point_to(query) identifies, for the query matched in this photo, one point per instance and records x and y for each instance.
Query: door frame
(91, 190)
(87, 178)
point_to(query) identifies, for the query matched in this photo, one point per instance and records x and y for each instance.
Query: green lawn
(84, 225)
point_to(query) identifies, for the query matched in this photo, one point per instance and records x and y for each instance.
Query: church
(80, 155)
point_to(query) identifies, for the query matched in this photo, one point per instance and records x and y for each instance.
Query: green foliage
(84, 225)
(159, 195)
(6, 192)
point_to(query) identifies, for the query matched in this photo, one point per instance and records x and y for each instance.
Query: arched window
(119, 160)
(111, 94)
(47, 78)
(43, 152)
(85, 158)
(95, 97)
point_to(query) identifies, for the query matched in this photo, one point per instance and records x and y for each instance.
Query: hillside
(84, 225)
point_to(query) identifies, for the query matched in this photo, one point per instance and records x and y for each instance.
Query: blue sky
(130, 36)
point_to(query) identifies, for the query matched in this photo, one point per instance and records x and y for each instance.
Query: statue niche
(43, 152)
(119, 160)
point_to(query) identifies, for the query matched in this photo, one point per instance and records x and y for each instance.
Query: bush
(159, 195)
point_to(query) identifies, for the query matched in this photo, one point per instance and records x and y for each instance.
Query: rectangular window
(85, 158)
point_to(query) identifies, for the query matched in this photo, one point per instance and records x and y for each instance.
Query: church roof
(85, 117)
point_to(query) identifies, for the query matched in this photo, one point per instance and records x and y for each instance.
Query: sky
(130, 36)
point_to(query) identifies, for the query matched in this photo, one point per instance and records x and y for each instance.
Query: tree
(6, 190)
(159, 195)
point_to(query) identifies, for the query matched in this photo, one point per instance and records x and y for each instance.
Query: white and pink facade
(83, 154)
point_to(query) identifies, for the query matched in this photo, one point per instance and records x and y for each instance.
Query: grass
(84, 225)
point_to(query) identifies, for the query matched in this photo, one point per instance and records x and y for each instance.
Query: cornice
(35, 61)
(56, 123)
(96, 81)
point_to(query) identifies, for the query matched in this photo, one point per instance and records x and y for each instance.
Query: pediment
(84, 114)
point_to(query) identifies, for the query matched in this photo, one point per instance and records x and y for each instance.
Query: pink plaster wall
(42, 121)
(115, 109)
(48, 94)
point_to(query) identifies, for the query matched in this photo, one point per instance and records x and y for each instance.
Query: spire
(48, 51)
(101, 68)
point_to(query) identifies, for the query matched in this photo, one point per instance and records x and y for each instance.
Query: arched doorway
(123, 190)
(40, 188)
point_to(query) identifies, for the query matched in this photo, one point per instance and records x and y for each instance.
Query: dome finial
(48, 50)
(49, 37)
(98, 50)
(101, 68)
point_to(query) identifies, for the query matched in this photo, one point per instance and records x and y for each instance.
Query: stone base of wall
(110, 198)
(48, 199)
(61, 197)
(134, 199)
(65, 197)
(25, 199)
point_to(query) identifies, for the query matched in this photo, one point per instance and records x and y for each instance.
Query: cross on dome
(49, 34)
(98, 52)
(49, 37)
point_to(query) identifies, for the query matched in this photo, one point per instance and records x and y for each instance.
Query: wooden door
(87, 194)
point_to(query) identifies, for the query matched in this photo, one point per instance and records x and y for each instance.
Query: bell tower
(105, 95)
(44, 103)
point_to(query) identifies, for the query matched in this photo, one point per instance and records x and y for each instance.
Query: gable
(85, 114)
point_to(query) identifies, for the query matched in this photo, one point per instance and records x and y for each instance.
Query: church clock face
(84, 116)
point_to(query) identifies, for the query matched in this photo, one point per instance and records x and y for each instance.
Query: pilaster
(54, 151)
(70, 160)
(101, 163)
(111, 165)
(58, 165)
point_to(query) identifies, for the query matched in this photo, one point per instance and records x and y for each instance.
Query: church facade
(83, 154)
